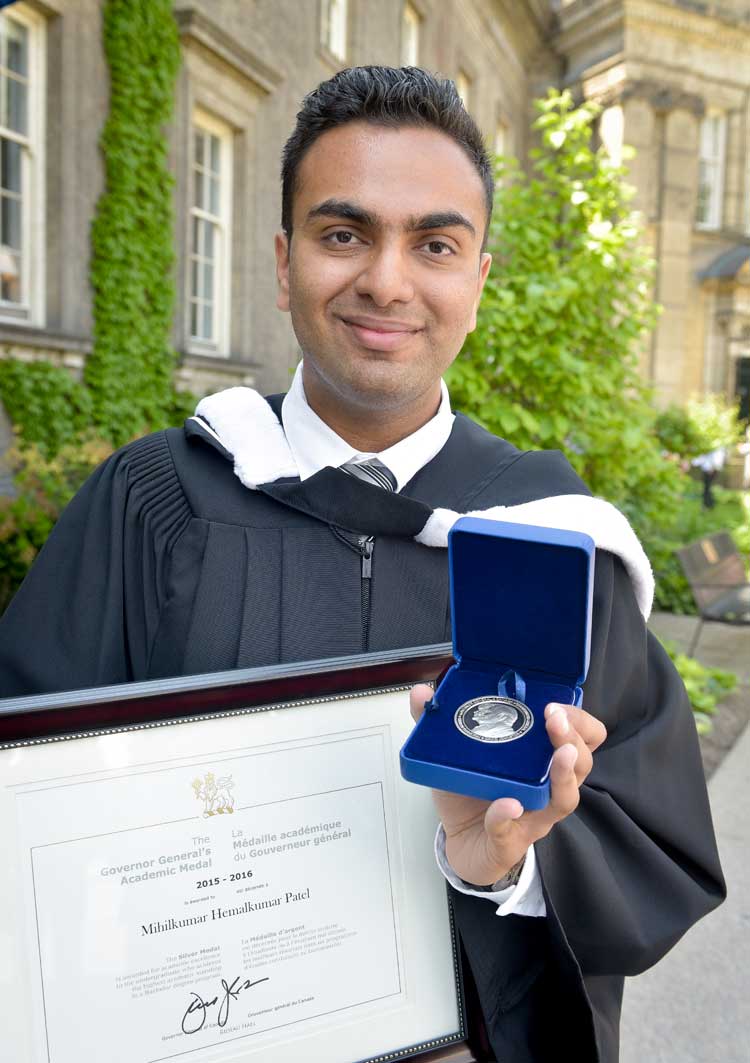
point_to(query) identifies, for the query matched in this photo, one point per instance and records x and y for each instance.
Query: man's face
(494, 716)
(385, 269)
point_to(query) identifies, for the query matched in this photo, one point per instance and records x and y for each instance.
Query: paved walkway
(694, 1006)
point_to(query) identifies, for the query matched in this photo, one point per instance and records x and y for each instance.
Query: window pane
(194, 276)
(208, 322)
(196, 246)
(18, 47)
(198, 190)
(199, 143)
(208, 236)
(215, 161)
(10, 165)
(208, 281)
(705, 188)
(334, 27)
(213, 205)
(17, 95)
(193, 319)
(10, 276)
(10, 223)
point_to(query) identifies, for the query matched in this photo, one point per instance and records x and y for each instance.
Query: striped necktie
(372, 471)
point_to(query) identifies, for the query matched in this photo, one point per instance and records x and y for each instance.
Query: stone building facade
(674, 77)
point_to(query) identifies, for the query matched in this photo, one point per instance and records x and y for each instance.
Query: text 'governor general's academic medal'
(521, 599)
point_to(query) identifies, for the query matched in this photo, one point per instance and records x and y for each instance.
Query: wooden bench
(715, 571)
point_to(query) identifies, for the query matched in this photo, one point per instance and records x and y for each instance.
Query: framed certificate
(225, 869)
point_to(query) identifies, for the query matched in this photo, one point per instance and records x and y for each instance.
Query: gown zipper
(364, 545)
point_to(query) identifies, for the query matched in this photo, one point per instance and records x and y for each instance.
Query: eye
(340, 238)
(439, 248)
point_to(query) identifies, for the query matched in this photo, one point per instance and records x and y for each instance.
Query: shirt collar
(315, 445)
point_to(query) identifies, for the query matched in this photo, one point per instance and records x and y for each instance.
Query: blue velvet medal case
(521, 601)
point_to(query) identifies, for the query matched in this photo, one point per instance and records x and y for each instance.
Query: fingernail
(518, 813)
(556, 709)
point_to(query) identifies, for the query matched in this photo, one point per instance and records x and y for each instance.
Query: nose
(385, 276)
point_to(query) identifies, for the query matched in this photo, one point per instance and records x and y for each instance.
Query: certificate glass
(254, 882)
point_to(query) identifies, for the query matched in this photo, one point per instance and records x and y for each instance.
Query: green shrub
(46, 405)
(705, 686)
(44, 486)
(731, 513)
(702, 425)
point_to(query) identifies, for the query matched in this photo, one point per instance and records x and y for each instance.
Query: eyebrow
(341, 208)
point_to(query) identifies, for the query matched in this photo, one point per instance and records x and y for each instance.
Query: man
(239, 541)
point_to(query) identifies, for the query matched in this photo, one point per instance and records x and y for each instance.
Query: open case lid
(521, 597)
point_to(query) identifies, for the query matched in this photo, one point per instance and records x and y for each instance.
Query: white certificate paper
(255, 887)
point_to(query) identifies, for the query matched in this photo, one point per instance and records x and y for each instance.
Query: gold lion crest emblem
(215, 794)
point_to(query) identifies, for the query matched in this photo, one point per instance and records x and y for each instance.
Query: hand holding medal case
(521, 599)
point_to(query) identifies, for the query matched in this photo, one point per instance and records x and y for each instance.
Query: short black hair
(387, 96)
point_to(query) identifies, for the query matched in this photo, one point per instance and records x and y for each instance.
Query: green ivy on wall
(46, 405)
(129, 372)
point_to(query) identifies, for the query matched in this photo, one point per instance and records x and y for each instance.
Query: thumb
(418, 695)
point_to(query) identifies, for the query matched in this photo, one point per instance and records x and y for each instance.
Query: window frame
(715, 211)
(330, 34)
(29, 310)
(219, 345)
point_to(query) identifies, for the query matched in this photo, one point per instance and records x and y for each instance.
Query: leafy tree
(553, 362)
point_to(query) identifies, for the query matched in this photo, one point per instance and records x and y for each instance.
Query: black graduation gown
(164, 564)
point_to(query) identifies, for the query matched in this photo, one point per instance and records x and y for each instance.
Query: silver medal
(493, 719)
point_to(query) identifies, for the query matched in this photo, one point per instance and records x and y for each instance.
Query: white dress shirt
(315, 445)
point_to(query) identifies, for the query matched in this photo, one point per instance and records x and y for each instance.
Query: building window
(713, 134)
(742, 387)
(21, 167)
(463, 87)
(409, 36)
(333, 27)
(210, 228)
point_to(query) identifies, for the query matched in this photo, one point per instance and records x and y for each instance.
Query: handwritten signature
(195, 1016)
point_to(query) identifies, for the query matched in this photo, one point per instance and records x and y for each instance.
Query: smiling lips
(380, 334)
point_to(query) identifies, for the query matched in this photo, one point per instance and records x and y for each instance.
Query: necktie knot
(371, 471)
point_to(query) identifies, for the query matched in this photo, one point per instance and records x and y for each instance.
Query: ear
(281, 247)
(485, 262)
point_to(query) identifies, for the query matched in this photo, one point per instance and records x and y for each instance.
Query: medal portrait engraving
(493, 719)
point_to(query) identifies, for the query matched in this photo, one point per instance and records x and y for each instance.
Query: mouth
(375, 335)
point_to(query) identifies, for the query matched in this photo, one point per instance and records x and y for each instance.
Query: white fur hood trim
(607, 526)
(247, 427)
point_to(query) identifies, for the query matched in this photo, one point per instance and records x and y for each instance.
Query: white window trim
(716, 202)
(31, 312)
(411, 23)
(221, 347)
